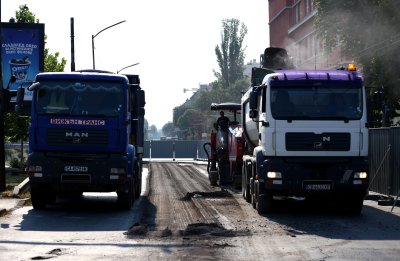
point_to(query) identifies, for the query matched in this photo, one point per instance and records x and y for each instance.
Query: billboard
(22, 53)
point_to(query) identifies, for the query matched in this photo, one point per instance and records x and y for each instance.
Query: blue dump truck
(86, 135)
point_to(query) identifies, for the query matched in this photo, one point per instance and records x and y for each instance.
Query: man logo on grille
(326, 138)
(76, 137)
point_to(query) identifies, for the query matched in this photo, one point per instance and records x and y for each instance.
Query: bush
(16, 163)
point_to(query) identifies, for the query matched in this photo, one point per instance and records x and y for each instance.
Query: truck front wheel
(38, 198)
(264, 203)
(354, 203)
(263, 199)
(127, 197)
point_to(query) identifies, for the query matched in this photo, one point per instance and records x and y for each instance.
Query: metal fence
(384, 160)
(192, 149)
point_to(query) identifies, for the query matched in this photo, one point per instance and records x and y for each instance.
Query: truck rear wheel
(252, 193)
(247, 195)
(138, 181)
(246, 182)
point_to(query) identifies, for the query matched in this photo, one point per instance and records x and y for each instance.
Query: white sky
(173, 40)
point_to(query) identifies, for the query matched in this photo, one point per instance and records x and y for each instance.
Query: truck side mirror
(253, 113)
(253, 100)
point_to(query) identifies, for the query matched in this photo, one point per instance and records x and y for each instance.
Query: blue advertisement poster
(22, 54)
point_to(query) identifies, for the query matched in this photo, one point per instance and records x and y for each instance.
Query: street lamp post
(127, 67)
(93, 36)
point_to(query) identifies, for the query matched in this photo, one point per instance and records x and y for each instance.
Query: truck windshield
(91, 98)
(317, 101)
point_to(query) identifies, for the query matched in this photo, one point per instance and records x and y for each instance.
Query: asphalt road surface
(181, 217)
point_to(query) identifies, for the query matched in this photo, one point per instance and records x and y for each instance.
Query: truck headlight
(274, 175)
(360, 175)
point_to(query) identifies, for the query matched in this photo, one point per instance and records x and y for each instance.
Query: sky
(173, 41)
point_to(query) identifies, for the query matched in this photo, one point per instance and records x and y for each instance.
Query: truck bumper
(79, 172)
(305, 176)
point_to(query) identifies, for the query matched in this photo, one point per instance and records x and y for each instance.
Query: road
(181, 217)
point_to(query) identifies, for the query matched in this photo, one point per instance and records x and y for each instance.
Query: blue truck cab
(85, 135)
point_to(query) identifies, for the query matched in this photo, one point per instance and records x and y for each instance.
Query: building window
(309, 7)
(297, 11)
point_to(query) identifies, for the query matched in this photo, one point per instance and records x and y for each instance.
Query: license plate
(318, 187)
(75, 168)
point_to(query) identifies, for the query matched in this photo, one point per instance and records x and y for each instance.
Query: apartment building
(291, 24)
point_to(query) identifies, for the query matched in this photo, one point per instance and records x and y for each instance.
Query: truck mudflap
(303, 176)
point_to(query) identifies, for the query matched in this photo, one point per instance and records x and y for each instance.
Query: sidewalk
(9, 204)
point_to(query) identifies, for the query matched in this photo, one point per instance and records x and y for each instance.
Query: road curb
(21, 187)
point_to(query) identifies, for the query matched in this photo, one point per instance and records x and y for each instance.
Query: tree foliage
(169, 129)
(51, 61)
(369, 32)
(230, 54)
(197, 117)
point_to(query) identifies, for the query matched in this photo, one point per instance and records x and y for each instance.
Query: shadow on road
(93, 212)
(302, 218)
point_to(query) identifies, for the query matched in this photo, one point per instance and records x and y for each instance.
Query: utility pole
(2, 149)
(72, 45)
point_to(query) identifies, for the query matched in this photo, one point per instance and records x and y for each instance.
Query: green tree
(227, 88)
(16, 128)
(169, 129)
(369, 32)
(51, 61)
(230, 55)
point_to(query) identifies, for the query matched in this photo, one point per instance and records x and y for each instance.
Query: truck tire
(246, 182)
(138, 181)
(126, 198)
(264, 203)
(252, 193)
(213, 175)
(38, 198)
(247, 195)
(354, 203)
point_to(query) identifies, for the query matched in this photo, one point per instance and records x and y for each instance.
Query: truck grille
(57, 137)
(317, 142)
